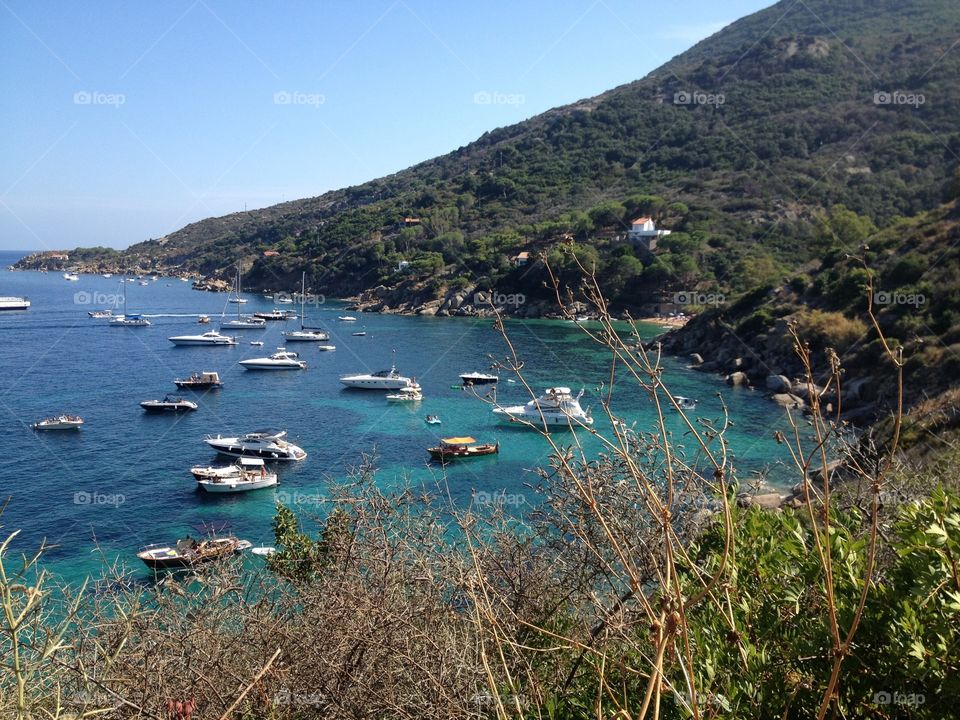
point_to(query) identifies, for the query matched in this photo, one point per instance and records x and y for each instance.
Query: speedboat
(382, 380)
(108, 275)
(432, 419)
(359, 334)
(129, 321)
(275, 314)
(200, 381)
(556, 407)
(283, 300)
(685, 403)
(346, 318)
(59, 422)
(411, 393)
(264, 444)
(461, 447)
(171, 403)
(257, 343)
(245, 474)
(14, 303)
(100, 314)
(208, 338)
(479, 378)
(326, 348)
(282, 359)
(237, 300)
(203, 319)
(188, 553)
(71, 276)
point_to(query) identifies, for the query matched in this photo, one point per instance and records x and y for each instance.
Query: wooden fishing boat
(461, 447)
(188, 553)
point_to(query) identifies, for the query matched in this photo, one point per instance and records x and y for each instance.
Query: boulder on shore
(738, 379)
(778, 383)
(696, 359)
(787, 400)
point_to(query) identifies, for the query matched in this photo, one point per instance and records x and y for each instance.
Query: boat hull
(236, 449)
(515, 415)
(445, 455)
(235, 485)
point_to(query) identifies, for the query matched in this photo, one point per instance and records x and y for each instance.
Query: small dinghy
(346, 318)
(257, 343)
(171, 403)
(411, 393)
(326, 348)
(59, 422)
(432, 420)
(359, 334)
(685, 403)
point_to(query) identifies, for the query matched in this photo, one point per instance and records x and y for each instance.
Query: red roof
(641, 220)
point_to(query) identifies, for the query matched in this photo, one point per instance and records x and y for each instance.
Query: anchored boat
(265, 444)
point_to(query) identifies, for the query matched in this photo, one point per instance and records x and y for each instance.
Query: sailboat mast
(303, 294)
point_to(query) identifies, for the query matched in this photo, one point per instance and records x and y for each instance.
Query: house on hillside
(402, 266)
(521, 259)
(643, 232)
(411, 221)
(270, 253)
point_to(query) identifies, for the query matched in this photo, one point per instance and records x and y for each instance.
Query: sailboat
(126, 320)
(305, 334)
(242, 322)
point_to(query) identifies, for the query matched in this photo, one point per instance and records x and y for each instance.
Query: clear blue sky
(123, 121)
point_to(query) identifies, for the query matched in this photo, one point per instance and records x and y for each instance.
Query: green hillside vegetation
(798, 129)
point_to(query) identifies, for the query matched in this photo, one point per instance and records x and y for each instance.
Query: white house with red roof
(643, 231)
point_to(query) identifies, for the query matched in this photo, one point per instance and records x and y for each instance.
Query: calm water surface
(123, 480)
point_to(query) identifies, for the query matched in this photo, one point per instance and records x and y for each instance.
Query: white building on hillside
(643, 231)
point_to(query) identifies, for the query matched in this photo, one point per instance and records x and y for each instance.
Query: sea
(96, 495)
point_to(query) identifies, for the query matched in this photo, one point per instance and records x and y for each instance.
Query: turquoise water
(122, 481)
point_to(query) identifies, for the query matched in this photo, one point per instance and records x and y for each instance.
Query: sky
(125, 121)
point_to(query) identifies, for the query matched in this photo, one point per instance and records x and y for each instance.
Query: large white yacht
(556, 407)
(282, 359)
(14, 303)
(264, 444)
(382, 380)
(207, 338)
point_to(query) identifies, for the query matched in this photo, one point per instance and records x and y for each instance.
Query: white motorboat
(347, 318)
(100, 314)
(282, 359)
(73, 277)
(59, 422)
(362, 333)
(170, 403)
(284, 300)
(479, 378)
(432, 420)
(556, 407)
(237, 300)
(275, 314)
(108, 275)
(188, 553)
(685, 403)
(208, 338)
(246, 474)
(265, 444)
(206, 380)
(257, 343)
(411, 393)
(14, 303)
(382, 380)
(326, 348)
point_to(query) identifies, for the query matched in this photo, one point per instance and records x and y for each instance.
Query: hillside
(914, 268)
(734, 145)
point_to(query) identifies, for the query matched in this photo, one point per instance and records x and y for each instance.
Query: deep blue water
(134, 466)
